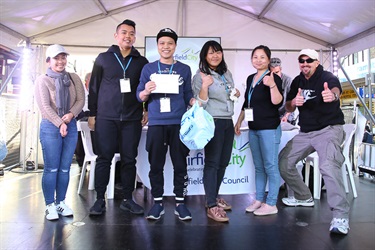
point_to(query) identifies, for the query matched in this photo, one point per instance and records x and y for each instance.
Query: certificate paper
(165, 83)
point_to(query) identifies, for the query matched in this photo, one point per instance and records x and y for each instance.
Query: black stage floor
(23, 225)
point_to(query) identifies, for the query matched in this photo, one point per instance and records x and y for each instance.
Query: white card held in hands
(167, 84)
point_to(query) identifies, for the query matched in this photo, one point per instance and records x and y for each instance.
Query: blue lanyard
(225, 83)
(252, 88)
(170, 70)
(122, 66)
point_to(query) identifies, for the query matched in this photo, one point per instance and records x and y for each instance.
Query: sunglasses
(275, 61)
(307, 60)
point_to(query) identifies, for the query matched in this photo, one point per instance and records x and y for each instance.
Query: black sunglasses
(307, 60)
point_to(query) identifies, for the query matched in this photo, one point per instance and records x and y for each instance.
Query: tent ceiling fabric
(331, 23)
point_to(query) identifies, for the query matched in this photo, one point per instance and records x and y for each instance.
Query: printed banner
(239, 176)
(238, 179)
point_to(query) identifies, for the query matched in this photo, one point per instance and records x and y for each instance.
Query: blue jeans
(57, 155)
(264, 145)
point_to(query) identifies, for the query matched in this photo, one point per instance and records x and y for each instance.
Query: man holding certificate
(166, 85)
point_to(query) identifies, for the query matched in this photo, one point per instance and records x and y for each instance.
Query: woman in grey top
(213, 87)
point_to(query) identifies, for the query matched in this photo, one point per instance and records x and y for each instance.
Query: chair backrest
(86, 137)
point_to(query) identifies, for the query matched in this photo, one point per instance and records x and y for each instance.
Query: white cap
(54, 50)
(310, 53)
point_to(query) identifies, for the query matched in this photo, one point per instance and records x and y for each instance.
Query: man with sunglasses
(275, 67)
(316, 94)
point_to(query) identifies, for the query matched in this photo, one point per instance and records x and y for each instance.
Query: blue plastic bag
(197, 127)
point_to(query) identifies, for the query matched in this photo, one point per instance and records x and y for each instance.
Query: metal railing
(366, 158)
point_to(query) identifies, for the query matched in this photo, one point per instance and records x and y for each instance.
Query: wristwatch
(336, 97)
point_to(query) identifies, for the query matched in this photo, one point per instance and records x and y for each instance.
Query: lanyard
(170, 70)
(122, 66)
(225, 83)
(252, 88)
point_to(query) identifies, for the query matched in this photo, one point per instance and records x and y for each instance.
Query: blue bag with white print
(197, 127)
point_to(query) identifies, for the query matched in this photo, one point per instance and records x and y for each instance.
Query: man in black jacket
(116, 115)
(316, 93)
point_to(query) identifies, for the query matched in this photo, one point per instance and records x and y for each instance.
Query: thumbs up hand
(327, 94)
(299, 100)
(207, 80)
(269, 80)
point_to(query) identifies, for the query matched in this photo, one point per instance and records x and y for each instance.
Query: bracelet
(273, 86)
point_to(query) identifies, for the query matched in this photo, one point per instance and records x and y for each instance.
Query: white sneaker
(51, 213)
(63, 209)
(339, 226)
(293, 202)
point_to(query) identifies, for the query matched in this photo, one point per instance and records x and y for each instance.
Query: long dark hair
(203, 65)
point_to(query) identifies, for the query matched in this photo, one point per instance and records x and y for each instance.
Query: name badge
(229, 106)
(165, 104)
(249, 116)
(125, 85)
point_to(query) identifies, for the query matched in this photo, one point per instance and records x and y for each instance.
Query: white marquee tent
(286, 26)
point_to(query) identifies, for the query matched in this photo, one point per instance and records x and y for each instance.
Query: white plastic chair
(346, 166)
(91, 157)
(360, 121)
(350, 129)
(314, 159)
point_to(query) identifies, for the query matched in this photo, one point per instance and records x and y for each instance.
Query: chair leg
(307, 172)
(350, 173)
(317, 179)
(82, 177)
(92, 175)
(344, 178)
(111, 183)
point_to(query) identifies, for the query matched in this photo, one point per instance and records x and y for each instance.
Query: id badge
(125, 85)
(229, 106)
(249, 115)
(165, 104)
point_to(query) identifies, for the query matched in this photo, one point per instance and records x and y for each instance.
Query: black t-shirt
(315, 114)
(266, 114)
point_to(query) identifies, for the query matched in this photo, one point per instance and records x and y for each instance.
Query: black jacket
(315, 114)
(105, 98)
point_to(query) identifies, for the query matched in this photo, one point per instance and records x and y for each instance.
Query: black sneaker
(131, 206)
(155, 212)
(98, 208)
(182, 212)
